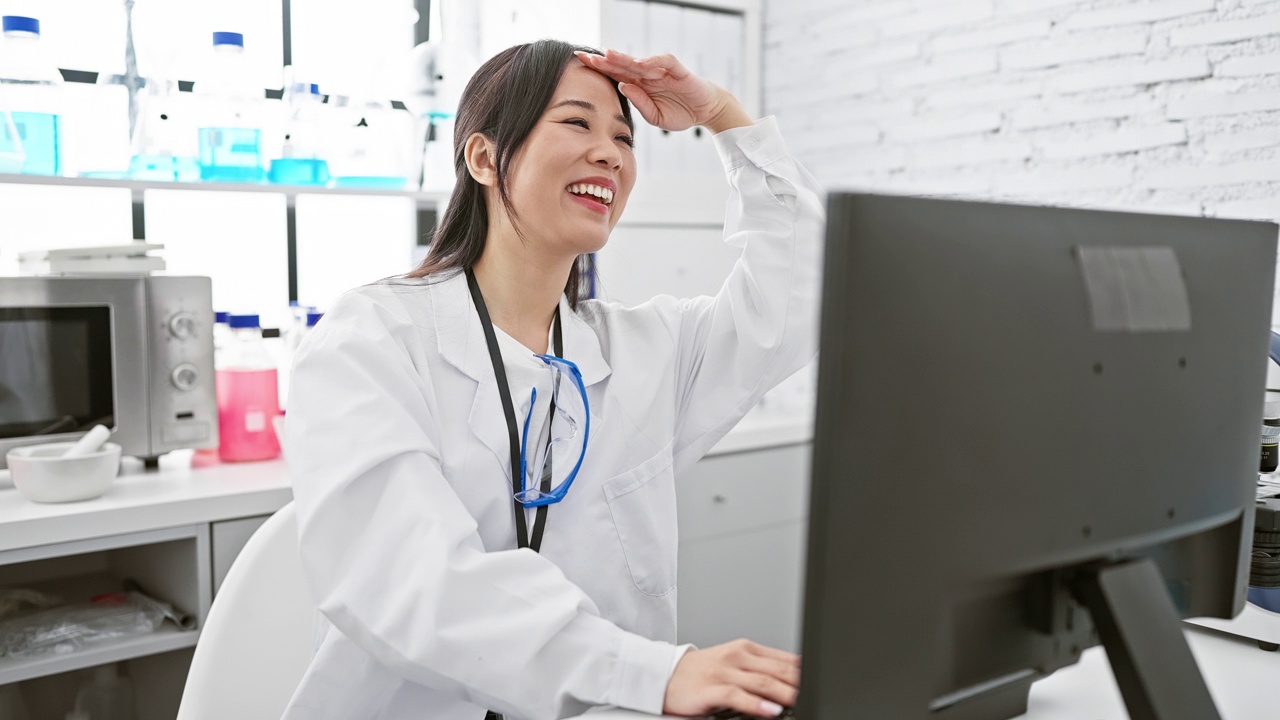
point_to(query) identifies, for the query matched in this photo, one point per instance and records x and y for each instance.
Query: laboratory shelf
(138, 187)
(80, 588)
(165, 639)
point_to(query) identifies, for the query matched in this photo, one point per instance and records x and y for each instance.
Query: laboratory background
(229, 169)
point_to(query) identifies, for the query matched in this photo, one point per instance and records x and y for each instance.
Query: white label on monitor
(1135, 289)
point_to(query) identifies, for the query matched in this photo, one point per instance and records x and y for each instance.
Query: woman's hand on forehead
(665, 92)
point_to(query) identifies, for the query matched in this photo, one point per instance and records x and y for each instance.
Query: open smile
(591, 195)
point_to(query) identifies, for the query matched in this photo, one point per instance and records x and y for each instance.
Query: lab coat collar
(460, 337)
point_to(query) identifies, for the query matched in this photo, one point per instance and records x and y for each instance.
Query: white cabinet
(170, 564)
(743, 524)
(679, 176)
(228, 538)
(173, 531)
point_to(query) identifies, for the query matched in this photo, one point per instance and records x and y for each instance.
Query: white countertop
(182, 492)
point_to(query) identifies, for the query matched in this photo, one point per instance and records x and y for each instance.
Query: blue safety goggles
(570, 428)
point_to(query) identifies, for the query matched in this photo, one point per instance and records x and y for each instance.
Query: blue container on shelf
(371, 145)
(230, 138)
(299, 171)
(370, 182)
(167, 168)
(231, 154)
(30, 123)
(306, 141)
(40, 134)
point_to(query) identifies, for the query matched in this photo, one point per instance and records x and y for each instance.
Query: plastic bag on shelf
(72, 627)
(19, 600)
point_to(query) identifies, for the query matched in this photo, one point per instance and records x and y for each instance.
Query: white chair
(256, 642)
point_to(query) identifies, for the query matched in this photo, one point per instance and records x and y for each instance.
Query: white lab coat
(397, 445)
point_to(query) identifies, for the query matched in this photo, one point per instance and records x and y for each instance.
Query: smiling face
(570, 180)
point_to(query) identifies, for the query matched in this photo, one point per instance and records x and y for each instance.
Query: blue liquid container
(164, 168)
(230, 133)
(30, 124)
(299, 171)
(231, 154)
(40, 137)
(370, 182)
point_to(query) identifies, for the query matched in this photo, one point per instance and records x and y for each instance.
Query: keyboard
(787, 714)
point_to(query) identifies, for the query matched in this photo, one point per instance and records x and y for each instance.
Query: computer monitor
(1037, 429)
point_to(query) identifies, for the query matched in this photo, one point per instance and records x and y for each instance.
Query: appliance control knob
(183, 325)
(185, 376)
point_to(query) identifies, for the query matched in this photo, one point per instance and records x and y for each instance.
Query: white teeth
(605, 194)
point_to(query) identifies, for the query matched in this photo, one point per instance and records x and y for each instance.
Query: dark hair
(502, 101)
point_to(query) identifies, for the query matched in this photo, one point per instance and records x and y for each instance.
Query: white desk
(1244, 681)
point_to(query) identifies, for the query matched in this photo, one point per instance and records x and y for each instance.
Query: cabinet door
(228, 539)
(746, 585)
(743, 523)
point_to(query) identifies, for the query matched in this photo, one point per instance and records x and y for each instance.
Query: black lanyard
(508, 409)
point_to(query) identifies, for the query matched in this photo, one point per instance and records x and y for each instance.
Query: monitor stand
(1142, 633)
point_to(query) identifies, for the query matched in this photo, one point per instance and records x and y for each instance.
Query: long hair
(503, 101)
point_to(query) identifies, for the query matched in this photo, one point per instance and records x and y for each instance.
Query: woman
(422, 407)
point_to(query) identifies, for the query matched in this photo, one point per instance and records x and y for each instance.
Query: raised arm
(762, 325)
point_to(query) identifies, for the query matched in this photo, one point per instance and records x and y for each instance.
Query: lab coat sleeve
(761, 327)
(393, 557)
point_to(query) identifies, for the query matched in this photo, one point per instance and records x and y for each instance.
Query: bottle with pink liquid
(248, 398)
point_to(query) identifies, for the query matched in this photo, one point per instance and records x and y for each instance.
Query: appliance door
(68, 351)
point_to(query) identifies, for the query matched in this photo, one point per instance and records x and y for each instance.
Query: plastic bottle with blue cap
(306, 140)
(31, 125)
(230, 130)
(248, 395)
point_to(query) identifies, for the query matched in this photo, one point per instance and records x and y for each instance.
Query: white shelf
(165, 639)
(80, 589)
(137, 187)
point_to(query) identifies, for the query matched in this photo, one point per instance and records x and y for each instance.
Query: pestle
(90, 443)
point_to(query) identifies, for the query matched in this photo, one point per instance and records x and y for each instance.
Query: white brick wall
(1164, 105)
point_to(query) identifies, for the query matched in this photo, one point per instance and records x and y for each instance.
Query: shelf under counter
(165, 639)
(170, 565)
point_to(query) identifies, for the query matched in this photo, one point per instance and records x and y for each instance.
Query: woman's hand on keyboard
(739, 675)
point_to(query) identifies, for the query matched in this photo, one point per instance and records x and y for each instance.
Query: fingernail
(770, 709)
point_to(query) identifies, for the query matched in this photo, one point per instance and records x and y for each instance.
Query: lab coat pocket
(642, 502)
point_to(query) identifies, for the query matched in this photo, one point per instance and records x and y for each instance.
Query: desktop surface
(1241, 678)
